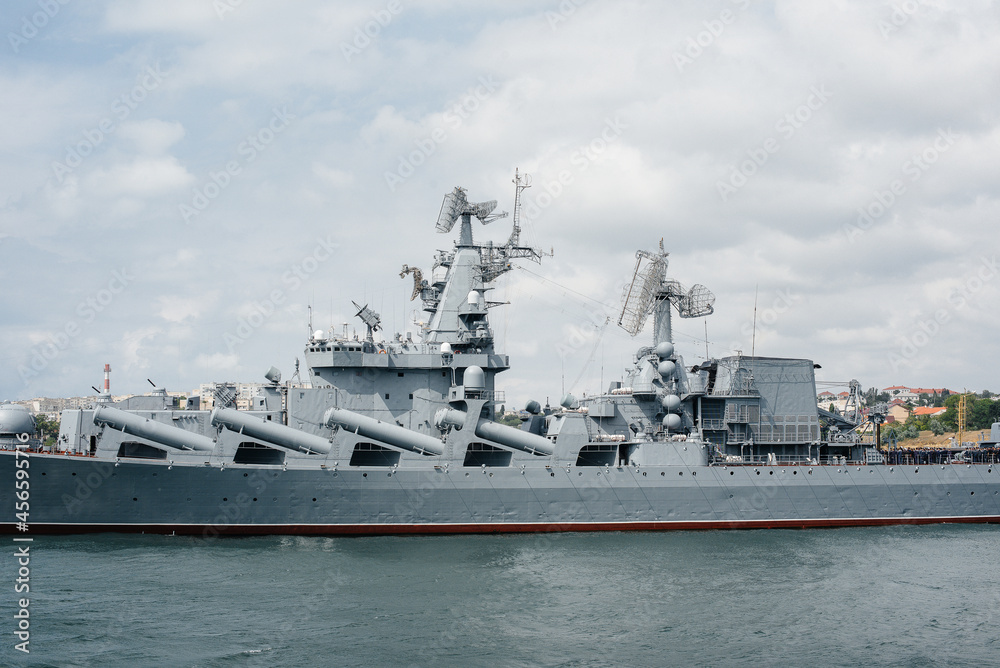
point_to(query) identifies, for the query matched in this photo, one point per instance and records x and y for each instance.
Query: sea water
(891, 596)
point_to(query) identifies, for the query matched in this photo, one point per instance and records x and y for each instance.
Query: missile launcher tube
(158, 432)
(499, 433)
(269, 432)
(390, 434)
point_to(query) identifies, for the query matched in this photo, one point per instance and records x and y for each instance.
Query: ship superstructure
(402, 435)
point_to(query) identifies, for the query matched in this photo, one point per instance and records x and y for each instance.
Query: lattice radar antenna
(456, 205)
(650, 284)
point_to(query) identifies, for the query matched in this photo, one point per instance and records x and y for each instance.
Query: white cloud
(550, 89)
(152, 136)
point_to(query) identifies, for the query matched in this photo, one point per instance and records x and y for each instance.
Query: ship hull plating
(77, 495)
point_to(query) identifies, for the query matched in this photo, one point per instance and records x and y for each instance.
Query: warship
(401, 435)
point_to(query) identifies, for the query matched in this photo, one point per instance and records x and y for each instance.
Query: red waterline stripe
(482, 528)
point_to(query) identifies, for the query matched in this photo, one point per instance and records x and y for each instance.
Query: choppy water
(911, 596)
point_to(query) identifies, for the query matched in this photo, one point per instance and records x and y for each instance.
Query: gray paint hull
(78, 494)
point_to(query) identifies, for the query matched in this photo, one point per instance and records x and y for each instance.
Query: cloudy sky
(179, 181)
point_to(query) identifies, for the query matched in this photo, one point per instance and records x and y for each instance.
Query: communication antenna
(456, 206)
(753, 337)
(650, 285)
(371, 319)
(520, 183)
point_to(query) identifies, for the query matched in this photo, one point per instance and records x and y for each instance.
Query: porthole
(663, 473)
(74, 472)
(972, 493)
(314, 499)
(245, 475)
(694, 473)
(732, 472)
(730, 496)
(552, 474)
(255, 498)
(225, 498)
(770, 472)
(643, 473)
(388, 475)
(795, 472)
(135, 498)
(364, 475)
(680, 473)
(757, 472)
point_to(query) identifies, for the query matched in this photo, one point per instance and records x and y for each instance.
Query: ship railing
(496, 396)
(609, 437)
(768, 460)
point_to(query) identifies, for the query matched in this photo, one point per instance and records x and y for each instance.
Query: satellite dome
(15, 419)
(533, 407)
(666, 368)
(474, 378)
(318, 335)
(672, 422)
(445, 348)
(671, 402)
(664, 350)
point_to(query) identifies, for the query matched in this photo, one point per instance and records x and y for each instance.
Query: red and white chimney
(107, 379)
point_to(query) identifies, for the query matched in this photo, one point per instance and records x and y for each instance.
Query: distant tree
(936, 427)
(510, 420)
(46, 429)
(983, 413)
(889, 432)
(910, 431)
(950, 416)
(832, 409)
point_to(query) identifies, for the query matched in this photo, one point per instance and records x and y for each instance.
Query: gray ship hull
(74, 495)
